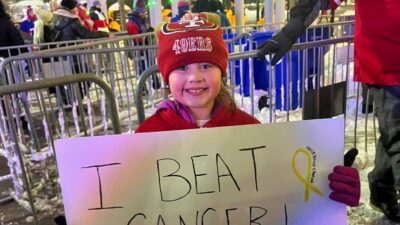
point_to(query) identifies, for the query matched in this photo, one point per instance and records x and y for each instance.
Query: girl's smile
(196, 86)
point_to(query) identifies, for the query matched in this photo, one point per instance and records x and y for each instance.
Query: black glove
(60, 220)
(350, 156)
(278, 45)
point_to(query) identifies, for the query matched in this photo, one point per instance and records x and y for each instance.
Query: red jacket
(377, 42)
(132, 28)
(167, 119)
(86, 21)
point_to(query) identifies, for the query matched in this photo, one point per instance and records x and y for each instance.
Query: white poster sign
(242, 175)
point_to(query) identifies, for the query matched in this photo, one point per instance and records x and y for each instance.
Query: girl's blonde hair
(224, 97)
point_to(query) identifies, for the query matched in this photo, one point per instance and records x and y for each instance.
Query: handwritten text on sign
(258, 174)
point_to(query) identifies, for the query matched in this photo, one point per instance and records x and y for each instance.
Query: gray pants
(364, 93)
(387, 158)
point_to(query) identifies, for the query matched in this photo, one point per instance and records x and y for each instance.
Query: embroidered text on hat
(190, 41)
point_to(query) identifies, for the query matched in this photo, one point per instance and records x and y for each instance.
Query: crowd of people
(94, 19)
(196, 78)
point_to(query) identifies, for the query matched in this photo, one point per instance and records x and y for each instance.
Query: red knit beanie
(186, 42)
(140, 6)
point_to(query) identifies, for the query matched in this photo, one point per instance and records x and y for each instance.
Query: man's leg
(384, 179)
(366, 107)
(391, 110)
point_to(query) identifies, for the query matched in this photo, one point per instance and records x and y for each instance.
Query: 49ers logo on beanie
(190, 41)
(192, 44)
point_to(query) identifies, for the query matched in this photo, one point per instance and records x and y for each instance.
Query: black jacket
(10, 36)
(71, 27)
(301, 16)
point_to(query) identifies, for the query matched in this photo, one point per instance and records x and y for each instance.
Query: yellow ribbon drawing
(306, 182)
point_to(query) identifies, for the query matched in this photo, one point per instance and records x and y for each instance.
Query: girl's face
(31, 15)
(196, 85)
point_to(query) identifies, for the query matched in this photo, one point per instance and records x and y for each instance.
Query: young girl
(192, 58)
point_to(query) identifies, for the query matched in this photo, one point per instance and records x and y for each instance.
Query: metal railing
(20, 155)
(128, 66)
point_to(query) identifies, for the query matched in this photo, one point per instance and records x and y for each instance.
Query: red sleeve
(82, 13)
(335, 3)
(152, 124)
(132, 28)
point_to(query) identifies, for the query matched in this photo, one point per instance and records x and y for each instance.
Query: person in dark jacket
(66, 21)
(137, 25)
(213, 6)
(10, 35)
(137, 20)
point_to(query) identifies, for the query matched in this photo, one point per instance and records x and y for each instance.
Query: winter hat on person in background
(186, 42)
(30, 14)
(69, 4)
(140, 6)
(97, 3)
(183, 6)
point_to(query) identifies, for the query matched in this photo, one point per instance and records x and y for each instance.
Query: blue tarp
(261, 75)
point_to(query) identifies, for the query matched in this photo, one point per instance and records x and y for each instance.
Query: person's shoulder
(6, 22)
(7, 26)
(154, 123)
(61, 16)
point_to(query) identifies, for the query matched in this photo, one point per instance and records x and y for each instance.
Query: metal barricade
(121, 60)
(237, 30)
(20, 49)
(30, 151)
(112, 64)
(314, 80)
(310, 70)
(70, 116)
